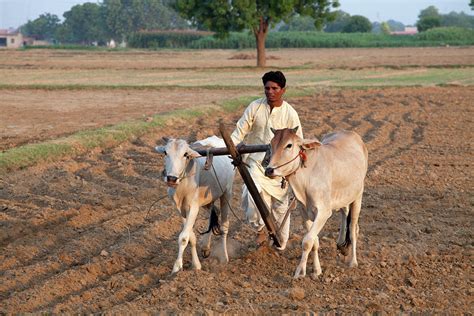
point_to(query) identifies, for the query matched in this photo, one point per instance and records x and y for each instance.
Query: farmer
(254, 127)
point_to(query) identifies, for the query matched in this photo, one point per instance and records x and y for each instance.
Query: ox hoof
(206, 253)
(353, 264)
(177, 267)
(300, 273)
(315, 276)
(343, 249)
(174, 271)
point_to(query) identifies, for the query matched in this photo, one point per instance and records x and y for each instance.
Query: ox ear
(193, 154)
(309, 144)
(160, 149)
(273, 130)
(166, 139)
(294, 130)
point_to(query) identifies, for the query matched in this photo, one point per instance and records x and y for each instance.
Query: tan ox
(191, 186)
(324, 176)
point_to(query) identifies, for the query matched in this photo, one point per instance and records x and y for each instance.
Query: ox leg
(183, 239)
(354, 229)
(194, 254)
(225, 201)
(311, 241)
(342, 244)
(206, 241)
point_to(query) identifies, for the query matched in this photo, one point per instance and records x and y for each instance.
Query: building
(409, 30)
(9, 39)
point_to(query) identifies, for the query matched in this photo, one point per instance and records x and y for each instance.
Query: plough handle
(266, 215)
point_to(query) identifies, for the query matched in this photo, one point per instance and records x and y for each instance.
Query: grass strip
(79, 87)
(81, 142)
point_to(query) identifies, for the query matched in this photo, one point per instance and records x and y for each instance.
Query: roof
(9, 32)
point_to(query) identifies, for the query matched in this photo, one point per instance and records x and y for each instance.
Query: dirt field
(199, 78)
(353, 58)
(84, 235)
(38, 115)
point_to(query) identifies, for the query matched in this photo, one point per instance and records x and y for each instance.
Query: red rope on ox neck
(302, 156)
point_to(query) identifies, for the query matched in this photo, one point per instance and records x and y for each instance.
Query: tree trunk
(260, 36)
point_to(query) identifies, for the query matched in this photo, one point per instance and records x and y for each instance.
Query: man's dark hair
(275, 76)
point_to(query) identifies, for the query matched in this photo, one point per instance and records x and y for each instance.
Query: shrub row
(165, 39)
(204, 40)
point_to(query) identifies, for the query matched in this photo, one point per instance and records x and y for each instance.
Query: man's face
(273, 91)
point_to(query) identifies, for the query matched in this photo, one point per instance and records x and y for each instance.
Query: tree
(396, 25)
(341, 19)
(472, 4)
(83, 24)
(299, 23)
(385, 28)
(357, 24)
(42, 28)
(123, 17)
(457, 19)
(393, 26)
(223, 16)
(428, 18)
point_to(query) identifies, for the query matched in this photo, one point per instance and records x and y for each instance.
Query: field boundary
(106, 137)
(83, 141)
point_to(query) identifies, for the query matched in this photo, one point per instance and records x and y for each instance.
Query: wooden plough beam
(236, 155)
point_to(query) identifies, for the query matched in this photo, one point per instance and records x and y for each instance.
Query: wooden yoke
(266, 215)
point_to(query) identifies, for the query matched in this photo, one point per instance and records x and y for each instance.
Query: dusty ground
(32, 115)
(352, 58)
(84, 235)
(38, 115)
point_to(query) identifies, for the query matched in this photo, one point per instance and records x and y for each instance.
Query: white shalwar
(253, 128)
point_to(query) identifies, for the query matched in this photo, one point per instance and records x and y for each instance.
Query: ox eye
(289, 146)
(186, 155)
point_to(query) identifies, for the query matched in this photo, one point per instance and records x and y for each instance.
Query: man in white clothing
(254, 127)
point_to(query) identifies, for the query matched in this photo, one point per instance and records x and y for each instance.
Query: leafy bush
(244, 40)
(448, 34)
(165, 39)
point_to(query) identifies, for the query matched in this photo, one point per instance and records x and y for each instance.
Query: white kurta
(253, 128)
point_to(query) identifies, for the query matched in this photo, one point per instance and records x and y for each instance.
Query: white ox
(333, 179)
(190, 186)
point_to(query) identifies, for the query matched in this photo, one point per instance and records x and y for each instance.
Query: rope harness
(303, 157)
(209, 164)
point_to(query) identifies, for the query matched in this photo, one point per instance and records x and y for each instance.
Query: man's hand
(239, 146)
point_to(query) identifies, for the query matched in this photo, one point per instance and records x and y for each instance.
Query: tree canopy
(96, 22)
(390, 25)
(42, 28)
(428, 18)
(457, 19)
(357, 24)
(83, 24)
(224, 16)
(123, 17)
(341, 18)
(299, 23)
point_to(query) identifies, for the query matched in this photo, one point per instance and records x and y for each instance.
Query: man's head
(275, 76)
(274, 83)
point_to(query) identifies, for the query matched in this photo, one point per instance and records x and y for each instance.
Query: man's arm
(295, 121)
(243, 126)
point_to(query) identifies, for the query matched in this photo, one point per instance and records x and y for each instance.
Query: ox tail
(214, 225)
(344, 247)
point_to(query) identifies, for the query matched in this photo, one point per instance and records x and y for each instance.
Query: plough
(236, 155)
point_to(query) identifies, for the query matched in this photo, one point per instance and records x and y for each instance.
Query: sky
(14, 13)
